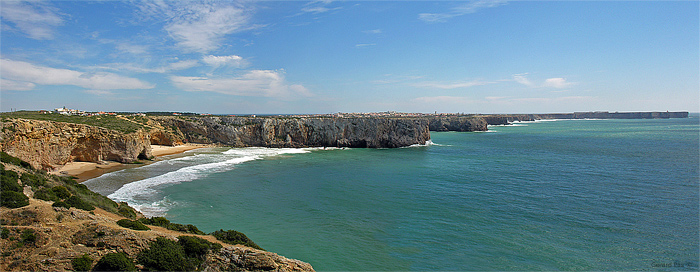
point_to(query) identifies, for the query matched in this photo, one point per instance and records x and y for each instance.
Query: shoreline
(89, 170)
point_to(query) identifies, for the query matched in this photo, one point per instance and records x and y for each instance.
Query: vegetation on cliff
(124, 124)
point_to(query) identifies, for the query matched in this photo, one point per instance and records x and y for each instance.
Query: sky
(292, 57)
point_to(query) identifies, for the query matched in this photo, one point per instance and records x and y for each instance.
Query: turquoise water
(556, 195)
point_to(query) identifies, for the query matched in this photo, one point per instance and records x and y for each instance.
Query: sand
(87, 170)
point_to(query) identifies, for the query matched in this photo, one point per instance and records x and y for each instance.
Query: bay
(548, 195)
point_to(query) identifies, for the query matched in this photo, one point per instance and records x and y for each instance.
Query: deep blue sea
(546, 195)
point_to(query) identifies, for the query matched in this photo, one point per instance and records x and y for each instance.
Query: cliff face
(457, 123)
(302, 132)
(46, 144)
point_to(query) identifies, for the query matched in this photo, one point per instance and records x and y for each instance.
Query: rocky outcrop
(301, 132)
(239, 258)
(457, 123)
(46, 144)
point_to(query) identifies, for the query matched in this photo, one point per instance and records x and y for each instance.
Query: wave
(140, 194)
(427, 143)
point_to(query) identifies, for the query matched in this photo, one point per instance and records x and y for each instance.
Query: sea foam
(140, 194)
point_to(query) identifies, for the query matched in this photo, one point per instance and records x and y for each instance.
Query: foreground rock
(64, 234)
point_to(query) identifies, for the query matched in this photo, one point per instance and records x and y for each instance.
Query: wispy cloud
(449, 86)
(261, 83)
(36, 19)
(522, 79)
(556, 82)
(317, 7)
(360, 45)
(174, 66)
(11, 85)
(219, 61)
(471, 7)
(373, 31)
(29, 75)
(199, 26)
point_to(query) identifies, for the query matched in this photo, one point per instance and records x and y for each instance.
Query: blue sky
(351, 56)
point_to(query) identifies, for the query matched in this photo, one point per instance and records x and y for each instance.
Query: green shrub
(163, 222)
(82, 263)
(61, 192)
(28, 236)
(126, 211)
(5, 233)
(165, 255)
(6, 158)
(13, 199)
(234, 237)
(46, 194)
(33, 180)
(75, 201)
(61, 204)
(115, 262)
(132, 224)
(196, 247)
(8, 181)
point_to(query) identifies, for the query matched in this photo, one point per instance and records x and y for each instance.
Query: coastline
(88, 170)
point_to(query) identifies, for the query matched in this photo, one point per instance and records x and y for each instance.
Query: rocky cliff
(46, 144)
(301, 132)
(457, 123)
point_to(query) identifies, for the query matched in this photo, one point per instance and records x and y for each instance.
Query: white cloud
(36, 19)
(360, 45)
(471, 7)
(11, 85)
(198, 26)
(449, 86)
(557, 82)
(522, 79)
(373, 31)
(317, 7)
(262, 83)
(218, 61)
(41, 75)
(175, 66)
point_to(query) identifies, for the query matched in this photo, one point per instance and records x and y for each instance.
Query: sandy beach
(87, 170)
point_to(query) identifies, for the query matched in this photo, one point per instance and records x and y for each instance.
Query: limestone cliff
(46, 144)
(301, 132)
(457, 123)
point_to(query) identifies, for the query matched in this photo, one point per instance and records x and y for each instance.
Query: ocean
(545, 195)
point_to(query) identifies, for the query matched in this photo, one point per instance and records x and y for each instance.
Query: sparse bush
(234, 237)
(5, 233)
(12, 199)
(82, 263)
(130, 224)
(115, 262)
